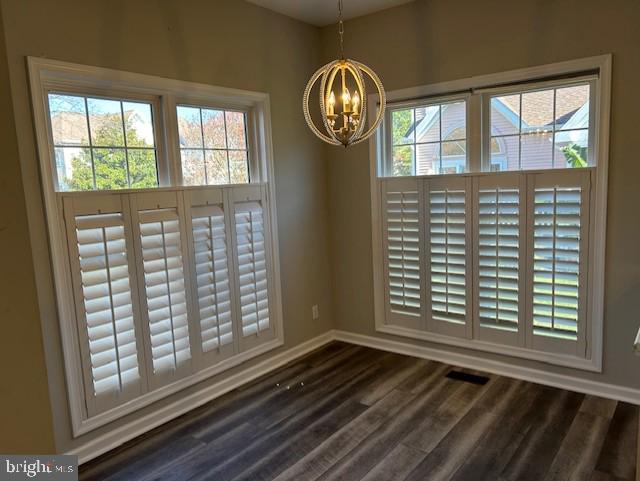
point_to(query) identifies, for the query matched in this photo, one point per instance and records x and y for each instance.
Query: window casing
(503, 255)
(158, 285)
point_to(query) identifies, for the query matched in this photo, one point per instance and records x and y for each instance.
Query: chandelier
(344, 116)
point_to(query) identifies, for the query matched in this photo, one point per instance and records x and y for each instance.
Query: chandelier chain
(341, 29)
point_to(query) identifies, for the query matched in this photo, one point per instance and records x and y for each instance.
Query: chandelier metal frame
(353, 120)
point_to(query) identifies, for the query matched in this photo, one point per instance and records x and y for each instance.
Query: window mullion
(475, 140)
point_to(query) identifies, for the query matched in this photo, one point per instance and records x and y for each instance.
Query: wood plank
(344, 440)
(555, 414)
(280, 433)
(434, 426)
(351, 436)
(490, 456)
(271, 401)
(359, 461)
(579, 451)
(396, 465)
(445, 456)
(618, 456)
(398, 370)
(302, 443)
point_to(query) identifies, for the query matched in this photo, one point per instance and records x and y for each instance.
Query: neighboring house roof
(571, 106)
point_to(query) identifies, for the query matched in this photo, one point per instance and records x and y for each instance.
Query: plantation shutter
(559, 213)
(253, 264)
(500, 258)
(163, 284)
(211, 251)
(104, 289)
(449, 255)
(402, 234)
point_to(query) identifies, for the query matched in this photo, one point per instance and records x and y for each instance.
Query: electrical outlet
(315, 312)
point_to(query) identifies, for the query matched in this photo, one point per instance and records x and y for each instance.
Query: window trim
(45, 75)
(597, 228)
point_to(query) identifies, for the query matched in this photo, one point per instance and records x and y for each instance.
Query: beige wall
(438, 40)
(220, 42)
(25, 417)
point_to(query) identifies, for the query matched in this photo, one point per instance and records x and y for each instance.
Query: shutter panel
(449, 255)
(560, 205)
(163, 287)
(499, 258)
(102, 274)
(402, 231)
(212, 273)
(212, 276)
(252, 264)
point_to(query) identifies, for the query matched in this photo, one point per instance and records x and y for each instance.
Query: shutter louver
(252, 267)
(403, 251)
(447, 255)
(556, 261)
(165, 289)
(212, 276)
(106, 291)
(498, 258)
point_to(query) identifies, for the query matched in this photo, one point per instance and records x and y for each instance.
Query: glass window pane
(138, 124)
(73, 168)
(403, 160)
(235, 130)
(537, 111)
(193, 172)
(427, 124)
(506, 155)
(189, 127)
(68, 120)
(571, 149)
(572, 107)
(536, 151)
(217, 167)
(213, 127)
(105, 122)
(143, 172)
(110, 168)
(457, 148)
(402, 126)
(238, 167)
(454, 121)
(428, 159)
(505, 115)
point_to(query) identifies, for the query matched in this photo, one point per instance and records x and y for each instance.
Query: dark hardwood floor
(352, 413)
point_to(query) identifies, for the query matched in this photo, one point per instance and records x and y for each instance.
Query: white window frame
(476, 142)
(50, 75)
(386, 162)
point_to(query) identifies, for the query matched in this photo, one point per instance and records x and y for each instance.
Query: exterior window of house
(213, 146)
(428, 139)
(102, 143)
(487, 204)
(161, 232)
(542, 129)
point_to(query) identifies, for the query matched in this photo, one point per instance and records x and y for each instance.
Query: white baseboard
(119, 436)
(570, 383)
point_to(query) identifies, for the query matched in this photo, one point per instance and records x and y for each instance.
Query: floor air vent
(472, 378)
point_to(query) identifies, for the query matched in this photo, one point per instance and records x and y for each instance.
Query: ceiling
(325, 12)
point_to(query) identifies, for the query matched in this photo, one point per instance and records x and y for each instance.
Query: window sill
(592, 365)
